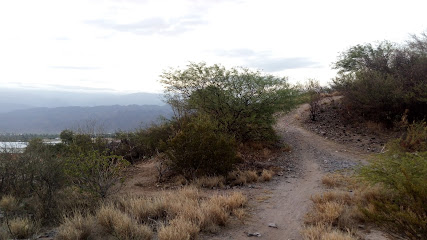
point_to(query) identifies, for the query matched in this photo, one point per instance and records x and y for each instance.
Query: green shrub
(95, 172)
(143, 143)
(403, 177)
(201, 148)
(416, 138)
(240, 100)
(385, 81)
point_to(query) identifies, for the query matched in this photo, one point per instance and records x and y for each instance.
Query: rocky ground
(334, 122)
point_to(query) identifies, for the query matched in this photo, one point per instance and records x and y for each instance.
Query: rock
(272, 225)
(255, 234)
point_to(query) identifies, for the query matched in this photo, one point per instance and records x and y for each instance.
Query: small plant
(314, 91)
(21, 228)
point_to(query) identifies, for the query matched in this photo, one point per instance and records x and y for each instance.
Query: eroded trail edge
(284, 201)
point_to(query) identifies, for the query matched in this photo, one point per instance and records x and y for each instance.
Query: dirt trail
(285, 200)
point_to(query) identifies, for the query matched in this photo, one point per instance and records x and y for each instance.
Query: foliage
(200, 147)
(314, 91)
(95, 172)
(383, 82)
(240, 100)
(36, 174)
(403, 176)
(143, 143)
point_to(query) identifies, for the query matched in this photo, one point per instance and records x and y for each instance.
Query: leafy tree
(240, 100)
(383, 82)
(67, 136)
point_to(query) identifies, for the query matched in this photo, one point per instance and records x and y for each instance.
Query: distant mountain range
(43, 111)
(107, 119)
(18, 99)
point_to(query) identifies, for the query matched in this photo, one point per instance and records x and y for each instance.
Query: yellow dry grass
(266, 175)
(120, 224)
(8, 203)
(324, 232)
(178, 214)
(21, 228)
(338, 208)
(76, 226)
(210, 182)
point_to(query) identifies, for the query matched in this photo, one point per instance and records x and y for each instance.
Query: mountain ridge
(110, 118)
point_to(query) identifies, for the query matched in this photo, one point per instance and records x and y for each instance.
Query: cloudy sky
(124, 45)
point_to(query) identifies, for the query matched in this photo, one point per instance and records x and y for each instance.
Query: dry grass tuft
(120, 224)
(266, 175)
(179, 229)
(22, 228)
(332, 180)
(251, 176)
(143, 208)
(325, 213)
(324, 232)
(8, 203)
(210, 182)
(333, 196)
(76, 227)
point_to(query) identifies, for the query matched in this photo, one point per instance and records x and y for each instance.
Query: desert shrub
(95, 172)
(416, 138)
(241, 101)
(383, 82)
(144, 143)
(314, 92)
(200, 148)
(35, 177)
(403, 177)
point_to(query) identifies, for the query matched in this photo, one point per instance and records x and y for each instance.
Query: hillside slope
(54, 120)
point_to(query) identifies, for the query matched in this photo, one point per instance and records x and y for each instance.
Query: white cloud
(125, 45)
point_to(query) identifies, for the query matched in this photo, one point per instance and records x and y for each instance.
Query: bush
(144, 143)
(403, 176)
(200, 148)
(241, 101)
(35, 177)
(383, 82)
(96, 173)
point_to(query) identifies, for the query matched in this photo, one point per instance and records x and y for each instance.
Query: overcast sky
(124, 45)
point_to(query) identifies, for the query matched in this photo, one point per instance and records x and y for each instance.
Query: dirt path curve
(285, 200)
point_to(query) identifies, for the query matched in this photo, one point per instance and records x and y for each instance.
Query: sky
(125, 45)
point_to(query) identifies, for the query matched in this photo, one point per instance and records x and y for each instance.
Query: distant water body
(22, 145)
(12, 145)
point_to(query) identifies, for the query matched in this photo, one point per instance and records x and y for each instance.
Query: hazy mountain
(54, 120)
(17, 99)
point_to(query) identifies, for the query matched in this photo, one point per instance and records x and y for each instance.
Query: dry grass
(335, 180)
(326, 213)
(178, 214)
(22, 228)
(338, 209)
(8, 203)
(75, 227)
(266, 175)
(120, 224)
(179, 229)
(210, 182)
(324, 232)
